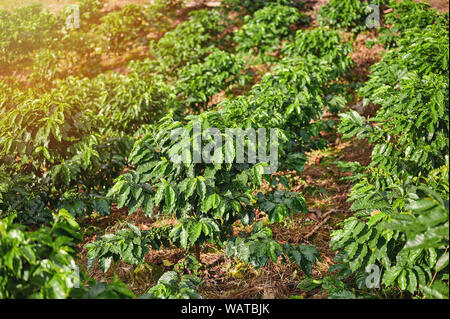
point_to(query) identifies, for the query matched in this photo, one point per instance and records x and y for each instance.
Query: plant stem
(434, 276)
(197, 252)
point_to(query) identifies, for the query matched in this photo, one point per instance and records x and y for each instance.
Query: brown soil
(439, 5)
(363, 56)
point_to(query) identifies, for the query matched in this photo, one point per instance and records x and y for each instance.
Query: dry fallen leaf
(375, 212)
(167, 263)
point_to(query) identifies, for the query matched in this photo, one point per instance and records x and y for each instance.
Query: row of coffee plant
(397, 241)
(210, 195)
(63, 148)
(78, 39)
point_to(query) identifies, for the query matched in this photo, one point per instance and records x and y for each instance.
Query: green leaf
(201, 189)
(105, 263)
(170, 197)
(123, 196)
(195, 232)
(412, 281)
(184, 238)
(391, 274)
(160, 193)
(191, 185)
(402, 280)
(438, 290)
(442, 262)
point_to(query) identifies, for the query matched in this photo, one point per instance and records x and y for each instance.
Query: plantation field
(57, 5)
(234, 149)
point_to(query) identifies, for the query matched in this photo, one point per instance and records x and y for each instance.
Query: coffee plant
(401, 198)
(24, 30)
(130, 245)
(264, 31)
(198, 83)
(189, 41)
(348, 14)
(38, 264)
(407, 15)
(120, 28)
(250, 6)
(172, 285)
